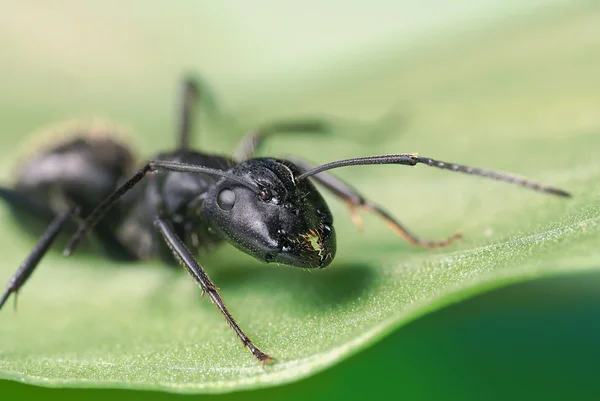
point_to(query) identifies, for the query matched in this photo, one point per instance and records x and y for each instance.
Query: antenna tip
(559, 192)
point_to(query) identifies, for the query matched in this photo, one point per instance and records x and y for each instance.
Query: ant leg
(188, 98)
(154, 166)
(252, 141)
(107, 240)
(355, 200)
(30, 263)
(183, 254)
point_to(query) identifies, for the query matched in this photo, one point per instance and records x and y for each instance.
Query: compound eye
(265, 195)
(226, 199)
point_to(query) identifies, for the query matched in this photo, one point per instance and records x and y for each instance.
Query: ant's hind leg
(64, 222)
(30, 263)
(355, 200)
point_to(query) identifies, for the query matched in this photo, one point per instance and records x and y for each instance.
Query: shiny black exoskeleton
(290, 223)
(265, 207)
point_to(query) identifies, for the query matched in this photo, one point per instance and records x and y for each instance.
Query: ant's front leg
(185, 257)
(30, 263)
(355, 200)
(253, 140)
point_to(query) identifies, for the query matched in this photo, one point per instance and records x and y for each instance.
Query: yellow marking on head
(315, 241)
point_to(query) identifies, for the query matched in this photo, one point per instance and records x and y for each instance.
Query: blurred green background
(266, 59)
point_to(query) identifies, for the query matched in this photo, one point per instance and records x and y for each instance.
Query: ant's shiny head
(273, 218)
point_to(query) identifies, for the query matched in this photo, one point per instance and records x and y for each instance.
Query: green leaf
(523, 99)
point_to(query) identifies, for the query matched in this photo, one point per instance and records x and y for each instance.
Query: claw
(356, 217)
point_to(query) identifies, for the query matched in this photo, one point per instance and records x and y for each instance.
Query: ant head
(273, 217)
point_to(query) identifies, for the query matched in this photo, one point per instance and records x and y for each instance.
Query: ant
(267, 207)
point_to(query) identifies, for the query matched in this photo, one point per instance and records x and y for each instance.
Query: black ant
(266, 207)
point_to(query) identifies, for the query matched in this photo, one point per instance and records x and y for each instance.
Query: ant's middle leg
(354, 200)
(194, 90)
(105, 235)
(252, 141)
(188, 99)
